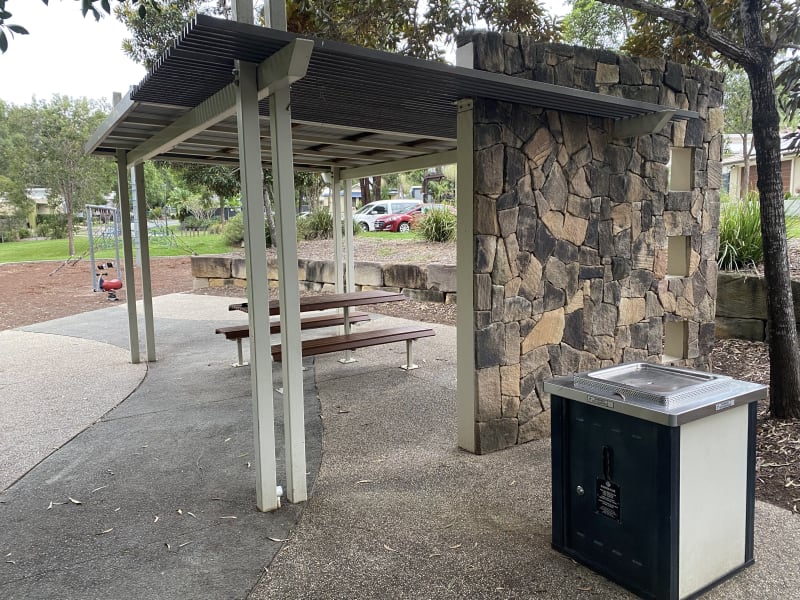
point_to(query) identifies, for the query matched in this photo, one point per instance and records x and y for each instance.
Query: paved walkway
(396, 510)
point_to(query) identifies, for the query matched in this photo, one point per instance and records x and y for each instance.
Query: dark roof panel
(347, 91)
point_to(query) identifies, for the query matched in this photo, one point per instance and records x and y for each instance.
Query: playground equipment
(108, 234)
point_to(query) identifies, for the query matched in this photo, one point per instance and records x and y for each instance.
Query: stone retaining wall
(431, 283)
(742, 306)
(741, 310)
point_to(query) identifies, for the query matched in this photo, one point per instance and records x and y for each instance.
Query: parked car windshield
(365, 209)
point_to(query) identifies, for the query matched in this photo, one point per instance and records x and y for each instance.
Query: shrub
(318, 225)
(438, 225)
(52, 226)
(233, 231)
(740, 233)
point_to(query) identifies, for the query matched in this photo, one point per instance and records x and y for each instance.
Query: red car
(403, 222)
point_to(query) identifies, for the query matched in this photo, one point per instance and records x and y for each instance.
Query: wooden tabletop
(328, 301)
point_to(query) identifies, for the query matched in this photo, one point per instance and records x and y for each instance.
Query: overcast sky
(67, 54)
(64, 54)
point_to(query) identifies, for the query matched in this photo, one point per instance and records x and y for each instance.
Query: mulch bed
(33, 292)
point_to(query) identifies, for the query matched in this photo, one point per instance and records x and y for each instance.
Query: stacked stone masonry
(571, 229)
(430, 283)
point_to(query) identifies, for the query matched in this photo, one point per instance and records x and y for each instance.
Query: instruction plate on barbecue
(607, 498)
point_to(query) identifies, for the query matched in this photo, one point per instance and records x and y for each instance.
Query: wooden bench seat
(239, 332)
(363, 339)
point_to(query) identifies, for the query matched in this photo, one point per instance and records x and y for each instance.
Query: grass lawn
(388, 235)
(32, 250)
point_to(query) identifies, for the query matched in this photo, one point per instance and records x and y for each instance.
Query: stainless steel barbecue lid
(646, 382)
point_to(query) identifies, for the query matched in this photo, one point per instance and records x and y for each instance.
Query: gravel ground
(35, 292)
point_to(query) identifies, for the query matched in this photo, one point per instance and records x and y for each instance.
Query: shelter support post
(465, 331)
(275, 14)
(289, 294)
(336, 204)
(349, 268)
(257, 289)
(242, 11)
(144, 250)
(127, 245)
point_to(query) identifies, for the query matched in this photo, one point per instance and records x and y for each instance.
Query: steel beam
(280, 119)
(336, 206)
(466, 398)
(641, 125)
(144, 253)
(286, 66)
(127, 245)
(257, 289)
(406, 164)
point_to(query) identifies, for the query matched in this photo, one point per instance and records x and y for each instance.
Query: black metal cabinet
(657, 495)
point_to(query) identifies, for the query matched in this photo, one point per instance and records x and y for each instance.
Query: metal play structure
(106, 237)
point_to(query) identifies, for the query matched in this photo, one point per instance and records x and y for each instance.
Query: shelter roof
(355, 107)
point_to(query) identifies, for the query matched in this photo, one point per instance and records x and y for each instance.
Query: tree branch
(700, 26)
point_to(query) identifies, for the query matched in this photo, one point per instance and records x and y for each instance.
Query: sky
(64, 54)
(69, 55)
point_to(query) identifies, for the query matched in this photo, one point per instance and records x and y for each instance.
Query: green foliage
(233, 233)
(153, 32)
(596, 25)
(52, 226)
(316, 226)
(740, 233)
(438, 225)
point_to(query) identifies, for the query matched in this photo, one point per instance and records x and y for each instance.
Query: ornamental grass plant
(740, 233)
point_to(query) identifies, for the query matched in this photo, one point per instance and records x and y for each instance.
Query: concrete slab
(165, 481)
(399, 512)
(51, 388)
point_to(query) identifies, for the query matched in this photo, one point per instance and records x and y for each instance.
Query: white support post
(242, 11)
(349, 268)
(127, 245)
(336, 186)
(275, 14)
(144, 254)
(289, 294)
(257, 289)
(409, 366)
(348, 235)
(465, 331)
(135, 197)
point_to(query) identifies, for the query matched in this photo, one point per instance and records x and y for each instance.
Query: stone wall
(742, 306)
(430, 283)
(571, 230)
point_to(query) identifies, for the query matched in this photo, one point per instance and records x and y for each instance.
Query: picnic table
(349, 341)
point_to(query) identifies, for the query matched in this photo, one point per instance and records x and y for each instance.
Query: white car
(367, 214)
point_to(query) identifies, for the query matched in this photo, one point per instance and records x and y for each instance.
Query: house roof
(355, 107)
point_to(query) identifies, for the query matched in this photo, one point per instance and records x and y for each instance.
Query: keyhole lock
(579, 490)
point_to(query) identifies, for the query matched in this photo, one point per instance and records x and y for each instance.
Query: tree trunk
(745, 183)
(376, 187)
(784, 358)
(70, 221)
(365, 195)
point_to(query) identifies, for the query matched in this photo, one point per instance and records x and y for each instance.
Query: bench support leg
(239, 354)
(348, 357)
(409, 366)
(348, 354)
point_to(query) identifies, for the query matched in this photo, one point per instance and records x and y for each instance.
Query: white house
(790, 171)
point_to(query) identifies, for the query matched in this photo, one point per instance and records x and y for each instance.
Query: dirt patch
(35, 292)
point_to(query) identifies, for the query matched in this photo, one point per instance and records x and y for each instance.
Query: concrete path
(156, 499)
(397, 511)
